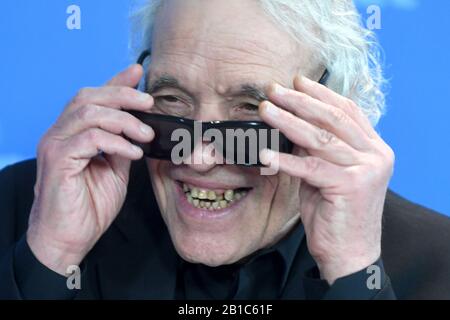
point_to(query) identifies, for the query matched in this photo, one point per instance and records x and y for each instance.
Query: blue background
(43, 64)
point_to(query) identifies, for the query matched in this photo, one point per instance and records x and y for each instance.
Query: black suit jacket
(127, 262)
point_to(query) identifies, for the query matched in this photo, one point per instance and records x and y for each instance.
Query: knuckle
(391, 155)
(338, 117)
(386, 155)
(86, 112)
(354, 178)
(379, 170)
(324, 137)
(312, 164)
(93, 135)
(390, 160)
(82, 95)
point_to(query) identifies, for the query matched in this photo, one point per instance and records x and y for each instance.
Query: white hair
(333, 28)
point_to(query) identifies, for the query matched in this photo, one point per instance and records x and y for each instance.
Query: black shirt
(263, 275)
(135, 258)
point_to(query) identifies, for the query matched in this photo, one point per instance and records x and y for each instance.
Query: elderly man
(323, 227)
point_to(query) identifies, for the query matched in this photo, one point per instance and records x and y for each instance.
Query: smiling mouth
(213, 199)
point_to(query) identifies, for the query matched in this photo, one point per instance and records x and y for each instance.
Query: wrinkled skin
(334, 182)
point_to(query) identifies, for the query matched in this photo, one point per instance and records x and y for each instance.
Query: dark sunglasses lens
(243, 141)
(164, 127)
(236, 142)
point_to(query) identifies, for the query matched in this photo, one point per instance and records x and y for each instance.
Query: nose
(204, 157)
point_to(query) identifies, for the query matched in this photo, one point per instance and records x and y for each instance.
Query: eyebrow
(166, 81)
(163, 82)
(253, 91)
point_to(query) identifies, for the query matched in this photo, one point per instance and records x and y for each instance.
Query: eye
(168, 98)
(248, 107)
(246, 111)
(172, 105)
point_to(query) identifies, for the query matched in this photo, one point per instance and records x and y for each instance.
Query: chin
(210, 250)
(212, 222)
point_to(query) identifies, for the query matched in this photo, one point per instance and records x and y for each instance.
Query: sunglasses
(233, 142)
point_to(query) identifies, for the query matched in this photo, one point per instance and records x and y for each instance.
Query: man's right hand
(83, 168)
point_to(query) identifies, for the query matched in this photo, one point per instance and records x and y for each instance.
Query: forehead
(217, 43)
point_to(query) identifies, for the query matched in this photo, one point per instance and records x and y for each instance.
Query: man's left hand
(345, 168)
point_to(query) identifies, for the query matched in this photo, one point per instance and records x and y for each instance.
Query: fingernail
(145, 129)
(266, 156)
(298, 80)
(144, 96)
(136, 150)
(279, 90)
(271, 110)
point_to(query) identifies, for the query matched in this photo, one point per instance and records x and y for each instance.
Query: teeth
(229, 195)
(202, 194)
(196, 202)
(223, 204)
(194, 193)
(209, 199)
(211, 195)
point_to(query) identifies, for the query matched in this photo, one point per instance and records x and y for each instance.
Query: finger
(313, 170)
(324, 94)
(316, 141)
(130, 77)
(111, 120)
(321, 115)
(113, 97)
(89, 143)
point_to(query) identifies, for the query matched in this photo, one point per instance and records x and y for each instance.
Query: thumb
(120, 166)
(130, 77)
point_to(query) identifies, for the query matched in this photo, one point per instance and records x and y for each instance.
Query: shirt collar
(286, 249)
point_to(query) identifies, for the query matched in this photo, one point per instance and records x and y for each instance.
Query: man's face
(221, 53)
